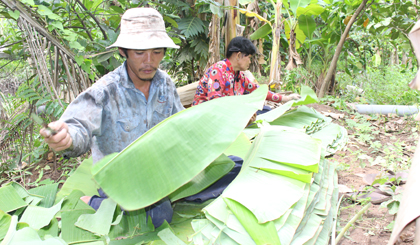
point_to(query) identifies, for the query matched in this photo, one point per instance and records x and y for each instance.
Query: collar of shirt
(229, 66)
(237, 76)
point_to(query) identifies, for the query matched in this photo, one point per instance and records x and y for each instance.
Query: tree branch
(83, 23)
(10, 44)
(327, 79)
(94, 18)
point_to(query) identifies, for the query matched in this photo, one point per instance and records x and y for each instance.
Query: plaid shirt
(112, 113)
(220, 80)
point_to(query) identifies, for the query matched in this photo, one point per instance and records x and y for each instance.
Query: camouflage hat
(143, 28)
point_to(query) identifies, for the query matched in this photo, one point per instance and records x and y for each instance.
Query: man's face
(143, 64)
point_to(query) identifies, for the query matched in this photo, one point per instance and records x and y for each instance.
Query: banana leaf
(11, 230)
(38, 217)
(239, 237)
(73, 234)
(28, 235)
(146, 237)
(303, 118)
(261, 233)
(51, 230)
(29, 198)
(273, 167)
(308, 96)
(309, 230)
(48, 192)
(98, 223)
(217, 169)
(81, 180)
(276, 144)
(267, 204)
(175, 151)
(288, 230)
(239, 147)
(10, 199)
(184, 214)
(169, 237)
(71, 200)
(315, 238)
(334, 138)
(132, 223)
(5, 221)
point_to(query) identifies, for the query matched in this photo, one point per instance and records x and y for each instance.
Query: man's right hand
(59, 141)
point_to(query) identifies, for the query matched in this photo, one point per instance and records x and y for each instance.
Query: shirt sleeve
(250, 86)
(210, 86)
(177, 102)
(83, 117)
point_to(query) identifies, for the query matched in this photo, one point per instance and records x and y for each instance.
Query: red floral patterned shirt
(220, 81)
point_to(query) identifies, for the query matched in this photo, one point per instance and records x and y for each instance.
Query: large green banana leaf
(175, 151)
(10, 199)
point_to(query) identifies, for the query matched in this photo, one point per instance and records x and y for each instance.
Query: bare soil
(371, 227)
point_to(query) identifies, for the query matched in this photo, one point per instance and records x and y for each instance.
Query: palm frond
(191, 26)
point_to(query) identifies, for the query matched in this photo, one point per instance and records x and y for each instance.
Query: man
(227, 78)
(123, 104)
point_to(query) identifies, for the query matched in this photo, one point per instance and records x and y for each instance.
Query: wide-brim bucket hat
(143, 28)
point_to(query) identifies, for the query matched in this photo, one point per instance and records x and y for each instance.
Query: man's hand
(290, 97)
(59, 141)
(252, 119)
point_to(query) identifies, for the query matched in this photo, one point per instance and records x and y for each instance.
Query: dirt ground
(371, 228)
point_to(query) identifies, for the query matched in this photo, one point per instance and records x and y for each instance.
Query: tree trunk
(276, 29)
(214, 46)
(291, 65)
(404, 58)
(231, 19)
(396, 58)
(334, 61)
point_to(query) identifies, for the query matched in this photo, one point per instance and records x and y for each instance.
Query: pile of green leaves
(285, 193)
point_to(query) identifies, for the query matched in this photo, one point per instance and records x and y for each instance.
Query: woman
(226, 77)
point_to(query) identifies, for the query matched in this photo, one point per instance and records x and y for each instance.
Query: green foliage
(387, 86)
(190, 26)
(17, 129)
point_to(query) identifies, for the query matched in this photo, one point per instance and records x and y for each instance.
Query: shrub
(383, 86)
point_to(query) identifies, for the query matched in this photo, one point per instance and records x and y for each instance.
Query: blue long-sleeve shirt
(112, 113)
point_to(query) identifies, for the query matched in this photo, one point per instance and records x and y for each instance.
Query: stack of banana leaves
(285, 193)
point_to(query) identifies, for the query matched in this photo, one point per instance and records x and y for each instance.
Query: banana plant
(298, 26)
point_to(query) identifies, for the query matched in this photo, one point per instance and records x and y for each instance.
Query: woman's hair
(240, 44)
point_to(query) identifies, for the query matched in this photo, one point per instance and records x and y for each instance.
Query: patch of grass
(381, 86)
